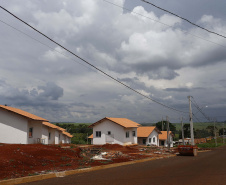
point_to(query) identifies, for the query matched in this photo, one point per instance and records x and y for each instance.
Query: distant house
(163, 139)
(18, 126)
(148, 135)
(114, 131)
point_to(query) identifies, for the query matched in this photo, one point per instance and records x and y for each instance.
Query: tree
(221, 131)
(210, 129)
(171, 126)
(79, 132)
(201, 133)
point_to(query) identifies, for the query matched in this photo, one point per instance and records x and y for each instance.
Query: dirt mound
(21, 160)
(117, 147)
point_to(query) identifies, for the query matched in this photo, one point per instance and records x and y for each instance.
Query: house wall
(52, 135)
(131, 139)
(45, 134)
(165, 142)
(37, 131)
(13, 128)
(56, 133)
(68, 139)
(118, 134)
(62, 138)
(154, 134)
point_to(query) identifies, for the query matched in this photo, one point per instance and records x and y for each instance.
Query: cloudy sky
(153, 52)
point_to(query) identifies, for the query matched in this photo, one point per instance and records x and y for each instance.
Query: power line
(44, 44)
(129, 10)
(90, 63)
(184, 19)
(199, 109)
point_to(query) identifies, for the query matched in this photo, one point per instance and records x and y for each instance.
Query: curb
(71, 172)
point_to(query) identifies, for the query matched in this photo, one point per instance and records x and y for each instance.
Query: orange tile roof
(146, 131)
(91, 136)
(58, 128)
(67, 134)
(124, 122)
(163, 136)
(23, 113)
(49, 124)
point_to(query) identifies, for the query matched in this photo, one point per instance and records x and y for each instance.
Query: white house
(114, 131)
(148, 135)
(163, 139)
(18, 126)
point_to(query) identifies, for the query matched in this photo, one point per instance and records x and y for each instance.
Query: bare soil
(17, 160)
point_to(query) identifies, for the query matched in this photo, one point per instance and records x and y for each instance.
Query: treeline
(79, 132)
(198, 133)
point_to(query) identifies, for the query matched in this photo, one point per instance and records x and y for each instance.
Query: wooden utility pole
(168, 139)
(182, 130)
(215, 133)
(223, 132)
(191, 122)
(87, 136)
(162, 124)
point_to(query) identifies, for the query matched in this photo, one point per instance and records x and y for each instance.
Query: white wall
(165, 141)
(13, 128)
(37, 131)
(57, 141)
(118, 134)
(154, 134)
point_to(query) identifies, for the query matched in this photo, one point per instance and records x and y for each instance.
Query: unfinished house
(163, 139)
(18, 126)
(148, 135)
(114, 131)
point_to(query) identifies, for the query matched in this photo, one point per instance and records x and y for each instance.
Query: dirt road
(206, 168)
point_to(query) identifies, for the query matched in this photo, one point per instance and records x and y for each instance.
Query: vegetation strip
(71, 172)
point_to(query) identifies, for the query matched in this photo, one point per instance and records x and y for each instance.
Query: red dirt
(17, 160)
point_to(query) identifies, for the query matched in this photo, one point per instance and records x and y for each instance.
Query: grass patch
(209, 145)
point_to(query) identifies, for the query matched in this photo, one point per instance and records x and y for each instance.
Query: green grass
(209, 145)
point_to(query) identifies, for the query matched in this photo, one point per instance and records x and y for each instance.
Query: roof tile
(124, 122)
(23, 113)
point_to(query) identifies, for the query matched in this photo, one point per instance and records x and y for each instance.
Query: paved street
(206, 168)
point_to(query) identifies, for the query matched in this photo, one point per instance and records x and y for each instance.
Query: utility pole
(87, 138)
(223, 132)
(215, 132)
(191, 122)
(162, 124)
(182, 130)
(168, 139)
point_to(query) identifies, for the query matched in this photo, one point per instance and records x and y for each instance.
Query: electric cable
(183, 19)
(129, 10)
(85, 61)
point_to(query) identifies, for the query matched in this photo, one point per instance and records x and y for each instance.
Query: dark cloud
(51, 90)
(142, 53)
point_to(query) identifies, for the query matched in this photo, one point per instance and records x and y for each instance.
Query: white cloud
(156, 59)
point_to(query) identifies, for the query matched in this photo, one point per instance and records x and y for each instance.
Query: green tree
(159, 126)
(210, 129)
(221, 131)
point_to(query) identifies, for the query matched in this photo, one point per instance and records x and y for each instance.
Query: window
(109, 132)
(144, 141)
(98, 133)
(150, 140)
(30, 132)
(153, 139)
(134, 133)
(49, 135)
(127, 134)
